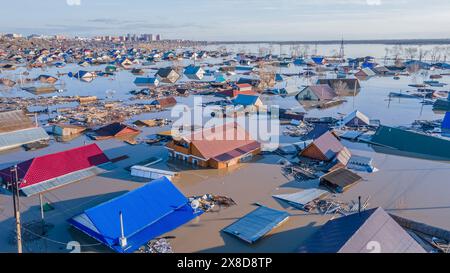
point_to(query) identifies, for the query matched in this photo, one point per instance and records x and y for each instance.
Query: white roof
(356, 114)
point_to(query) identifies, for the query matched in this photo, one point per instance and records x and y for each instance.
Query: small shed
(339, 180)
(257, 224)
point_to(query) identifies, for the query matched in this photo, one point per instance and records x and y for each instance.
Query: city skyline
(220, 19)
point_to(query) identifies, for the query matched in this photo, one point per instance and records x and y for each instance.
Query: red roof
(43, 168)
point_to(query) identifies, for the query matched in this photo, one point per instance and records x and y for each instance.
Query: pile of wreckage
(208, 202)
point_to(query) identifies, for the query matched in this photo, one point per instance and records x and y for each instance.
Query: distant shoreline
(355, 42)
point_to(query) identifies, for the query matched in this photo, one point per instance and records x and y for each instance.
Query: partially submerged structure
(129, 221)
(67, 129)
(215, 147)
(342, 86)
(194, 72)
(371, 231)
(141, 81)
(356, 119)
(116, 129)
(302, 199)
(165, 102)
(168, 75)
(321, 92)
(257, 224)
(339, 180)
(323, 148)
(16, 129)
(45, 173)
(412, 142)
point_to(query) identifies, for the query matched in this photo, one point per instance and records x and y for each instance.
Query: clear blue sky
(232, 19)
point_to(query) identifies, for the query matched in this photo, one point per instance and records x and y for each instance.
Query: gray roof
(66, 179)
(14, 120)
(358, 233)
(18, 138)
(256, 224)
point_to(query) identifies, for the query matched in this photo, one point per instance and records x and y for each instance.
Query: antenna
(122, 239)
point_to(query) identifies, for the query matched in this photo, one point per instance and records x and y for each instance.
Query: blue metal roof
(141, 80)
(191, 70)
(148, 212)
(256, 224)
(245, 100)
(446, 121)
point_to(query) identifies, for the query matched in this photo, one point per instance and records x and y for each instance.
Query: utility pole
(15, 192)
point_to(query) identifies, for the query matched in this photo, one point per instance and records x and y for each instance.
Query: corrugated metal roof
(17, 138)
(149, 211)
(66, 179)
(256, 224)
(302, 198)
(13, 121)
(48, 167)
(357, 233)
(412, 142)
(245, 100)
(361, 119)
(215, 141)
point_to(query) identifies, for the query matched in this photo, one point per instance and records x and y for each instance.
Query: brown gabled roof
(14, 120)
(166, 102)
(328, 145)
(222, 142)
(323, 91)
(341, 178)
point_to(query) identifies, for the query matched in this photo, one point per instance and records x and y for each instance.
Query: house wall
(307, 94)
(313, 152)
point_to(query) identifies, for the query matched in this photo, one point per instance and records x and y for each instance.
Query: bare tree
(411, 52)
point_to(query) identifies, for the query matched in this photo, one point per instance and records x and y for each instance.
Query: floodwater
(410, 187)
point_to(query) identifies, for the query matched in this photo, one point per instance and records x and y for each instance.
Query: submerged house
(45, 173)
(194, 72)
(168, 75)
(115, 129)
(362, 233)
(131, 220)
(323, 148)
(412, 142)
(67, 129)
(215, 147)
(365, 73)
(17, 129)
(342, 85)
(141, 81)
(356, 119)
(250, 102)
(165, 102)
(47, 79)
(339, 180)
(320, 92)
